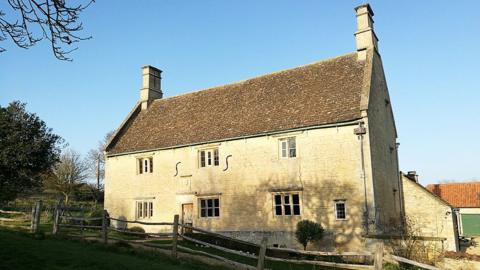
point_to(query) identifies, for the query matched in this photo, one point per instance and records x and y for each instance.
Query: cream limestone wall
(429, 216)
(327, 168)
(383, 152)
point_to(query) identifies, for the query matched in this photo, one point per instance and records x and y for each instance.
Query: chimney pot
(151, 85)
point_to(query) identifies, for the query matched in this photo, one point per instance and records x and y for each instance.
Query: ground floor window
(144, 209)
(287, 204)
(209, 207)
(340, 210)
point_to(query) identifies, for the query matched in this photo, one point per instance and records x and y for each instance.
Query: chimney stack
(151, 86)
(365, 37)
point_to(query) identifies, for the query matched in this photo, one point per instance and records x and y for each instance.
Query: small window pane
(140, 166)
(340, 210)
(202, 158)
(278, 199)
(210, 203)
(215, 157)
(217, 203)
(145, 162)
(288, 210)
(145, 212)
(151, 209)
(287, 199)
(278, 210)
(202, 203)
(203, 213)
(151, 164)
(217, 212)
(209, 212)
(296, 210)
(209, 158)
(295, 199)
(284, 148)
(293, 152)
(140, 211)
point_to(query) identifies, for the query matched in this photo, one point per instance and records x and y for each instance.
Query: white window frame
(144, 209)
(213, 207)
(144, 165)
(344, 202)
(285, 147)
(211, 160)
(290, 204)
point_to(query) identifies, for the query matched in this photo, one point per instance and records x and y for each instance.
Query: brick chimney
(151, 86)
(365, 37)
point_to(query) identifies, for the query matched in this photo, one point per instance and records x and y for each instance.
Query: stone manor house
(252, 158)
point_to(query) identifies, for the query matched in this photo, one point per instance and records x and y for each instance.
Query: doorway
(187, 217)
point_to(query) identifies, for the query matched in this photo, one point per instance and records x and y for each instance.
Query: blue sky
(429, 50)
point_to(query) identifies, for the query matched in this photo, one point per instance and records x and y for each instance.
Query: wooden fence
(261, 256)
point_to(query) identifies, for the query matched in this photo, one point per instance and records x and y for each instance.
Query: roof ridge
(256, 77)
(456, 183)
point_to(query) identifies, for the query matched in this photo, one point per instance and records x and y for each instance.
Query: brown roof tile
(319, 93)
(458, 194)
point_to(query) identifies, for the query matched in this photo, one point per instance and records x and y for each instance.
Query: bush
(95, 213)
(308, 231)
(138, 230)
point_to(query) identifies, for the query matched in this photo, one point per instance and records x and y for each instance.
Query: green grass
(21, 250)
(245, 260)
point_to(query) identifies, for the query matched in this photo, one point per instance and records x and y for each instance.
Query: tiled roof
(458, 194)
(320, 93)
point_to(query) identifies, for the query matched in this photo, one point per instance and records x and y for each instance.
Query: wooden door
(187, 218)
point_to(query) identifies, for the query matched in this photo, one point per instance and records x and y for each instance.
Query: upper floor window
(209, 157)
(340, 210)
(145, 165)
(210, 207)
(144, 209)
(288, 147)
(287, 204)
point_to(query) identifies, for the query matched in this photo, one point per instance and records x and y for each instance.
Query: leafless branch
(35, 20)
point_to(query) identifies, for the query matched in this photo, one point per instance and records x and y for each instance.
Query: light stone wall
(429, 215)
(327, 167)
(383, 152)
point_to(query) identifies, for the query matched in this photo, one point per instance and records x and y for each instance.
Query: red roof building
(460, 195)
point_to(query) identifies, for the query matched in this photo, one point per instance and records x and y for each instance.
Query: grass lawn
(22, 251)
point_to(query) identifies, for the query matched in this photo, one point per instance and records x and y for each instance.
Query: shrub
(138, 230)
(308, 231)
(95, 213)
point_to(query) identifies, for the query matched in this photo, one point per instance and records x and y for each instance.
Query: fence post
(32, 222)
(175, 236)
(56, 213)
(261, 254)
(105, 226)
(36, 211)
(379, 256)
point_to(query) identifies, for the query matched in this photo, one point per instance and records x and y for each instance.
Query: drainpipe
(360, 132)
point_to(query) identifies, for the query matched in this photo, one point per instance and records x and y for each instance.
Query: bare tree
(67, 175)
(30, 21)
(96, 161)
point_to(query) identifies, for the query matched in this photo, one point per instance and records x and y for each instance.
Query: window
(144, 209)
(145, 165)
(209, 157)
(288, 148)
(340, 210)
(210, 207)
(287, 204)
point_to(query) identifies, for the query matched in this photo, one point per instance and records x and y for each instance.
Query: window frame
(344, 202)
(144, 209)
(213, 207)
(283, 205)
(208, 157)
(287, 142)
(145, 165)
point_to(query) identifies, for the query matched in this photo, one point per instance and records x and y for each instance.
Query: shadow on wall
(251, 209)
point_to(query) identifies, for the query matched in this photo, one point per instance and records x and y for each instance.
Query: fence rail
(62, 219)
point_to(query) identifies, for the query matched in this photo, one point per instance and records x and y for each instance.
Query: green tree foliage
(308, 231)
(28, 148)
(67, 176)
